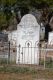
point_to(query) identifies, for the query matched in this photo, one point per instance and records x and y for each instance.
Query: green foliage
(24, 6)
(28, 2)
(8, 2)
(3, 22)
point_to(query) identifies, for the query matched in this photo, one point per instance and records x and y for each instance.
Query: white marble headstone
(28, 33)
(50, 38)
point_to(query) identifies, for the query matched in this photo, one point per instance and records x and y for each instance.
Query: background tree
(8, 8)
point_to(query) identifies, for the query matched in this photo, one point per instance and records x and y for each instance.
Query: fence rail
(8, 55)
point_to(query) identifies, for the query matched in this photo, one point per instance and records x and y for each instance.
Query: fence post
(44, 61)
(28, 44)
(19, 54)
(9, 53)
(45, 56)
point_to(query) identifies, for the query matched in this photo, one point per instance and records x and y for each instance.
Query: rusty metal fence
(8, 55)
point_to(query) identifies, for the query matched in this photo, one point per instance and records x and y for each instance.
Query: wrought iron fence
(8, 54)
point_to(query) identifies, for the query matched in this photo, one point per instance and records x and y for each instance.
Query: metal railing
(8, 54)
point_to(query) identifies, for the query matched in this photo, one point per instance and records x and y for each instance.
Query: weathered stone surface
(28, 32)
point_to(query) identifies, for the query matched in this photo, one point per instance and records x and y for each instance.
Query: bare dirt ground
(38, 75)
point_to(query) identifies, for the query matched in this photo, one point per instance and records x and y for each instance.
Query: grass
(48, 63)
(24, 73)
(3, 61)
(10, 69)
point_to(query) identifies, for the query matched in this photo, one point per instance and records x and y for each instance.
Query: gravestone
(28, 36)
(50, 38)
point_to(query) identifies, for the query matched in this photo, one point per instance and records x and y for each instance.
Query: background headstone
(50, 38)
